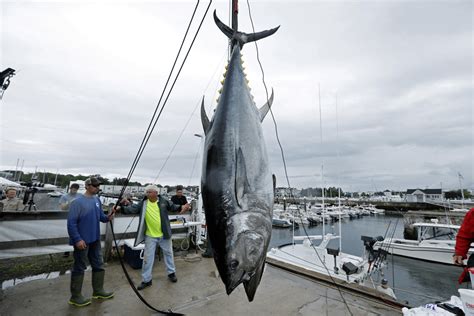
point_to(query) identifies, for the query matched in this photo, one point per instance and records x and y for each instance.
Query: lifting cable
(284, 161)
(187, 122)
(148, 133)
(197, 153)
(154, 120)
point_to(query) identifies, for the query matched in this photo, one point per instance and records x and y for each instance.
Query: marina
(314, 158)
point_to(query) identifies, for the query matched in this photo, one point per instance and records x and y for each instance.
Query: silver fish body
(237, 186)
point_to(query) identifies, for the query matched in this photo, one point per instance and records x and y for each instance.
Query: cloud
(90, 75)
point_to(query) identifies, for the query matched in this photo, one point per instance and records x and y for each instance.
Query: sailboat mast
(460, 177)
(322, 164)
(338, 180)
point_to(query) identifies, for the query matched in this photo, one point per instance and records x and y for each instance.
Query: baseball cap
(92, 181)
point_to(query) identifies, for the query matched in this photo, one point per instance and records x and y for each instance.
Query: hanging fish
(237, 186)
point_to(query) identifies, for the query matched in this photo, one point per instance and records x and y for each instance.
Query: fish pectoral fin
(204, 118)
(242, 185)
(251, 285)
(266, 107)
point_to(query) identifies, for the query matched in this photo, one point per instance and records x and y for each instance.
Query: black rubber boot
(98, 286)
(76, 296)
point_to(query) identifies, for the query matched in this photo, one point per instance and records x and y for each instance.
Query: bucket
(467, 298)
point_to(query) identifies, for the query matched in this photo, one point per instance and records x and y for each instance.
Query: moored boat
(424, 241)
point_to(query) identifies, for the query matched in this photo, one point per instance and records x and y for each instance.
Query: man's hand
(112, 213)
(184, 208)
(125, 201)
(81, 245)
(458, 260)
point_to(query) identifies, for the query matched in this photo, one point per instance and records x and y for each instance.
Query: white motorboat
(327, 264)
(427, 241)
(281, 222)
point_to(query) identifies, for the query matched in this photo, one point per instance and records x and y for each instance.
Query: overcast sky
(90, 73)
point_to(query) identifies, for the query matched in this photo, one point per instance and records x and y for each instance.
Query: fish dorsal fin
(266, 107)
(204, 118)
(242, 185)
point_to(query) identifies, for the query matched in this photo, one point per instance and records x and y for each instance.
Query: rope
(169, 312)
(284, 161)
(177, 141)
(154, 120)
(190, 117)
(151, 125)
(145, 139)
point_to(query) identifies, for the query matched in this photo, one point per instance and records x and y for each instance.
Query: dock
(199, 291)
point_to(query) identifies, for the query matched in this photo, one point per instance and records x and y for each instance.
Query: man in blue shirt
(83, 226)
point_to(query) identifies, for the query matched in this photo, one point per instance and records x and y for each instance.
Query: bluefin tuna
(236, 183)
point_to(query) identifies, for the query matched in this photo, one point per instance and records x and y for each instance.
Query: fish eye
(234, 264)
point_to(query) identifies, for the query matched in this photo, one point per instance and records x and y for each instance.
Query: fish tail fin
(240, 37)
(251, 285)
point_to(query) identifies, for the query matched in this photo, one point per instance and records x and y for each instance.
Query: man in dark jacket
(179, 198)
(154, 228)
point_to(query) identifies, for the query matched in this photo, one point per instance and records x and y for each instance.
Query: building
(286, 192)
(426, 195)
(391, 196)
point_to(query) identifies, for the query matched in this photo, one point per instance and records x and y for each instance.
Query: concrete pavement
(198, 292)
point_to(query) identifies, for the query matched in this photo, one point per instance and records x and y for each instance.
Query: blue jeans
(93, 253)
(149, 256)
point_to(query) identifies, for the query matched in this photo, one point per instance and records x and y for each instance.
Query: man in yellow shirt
(154, 229)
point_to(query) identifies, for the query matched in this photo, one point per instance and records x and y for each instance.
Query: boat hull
(432, 251)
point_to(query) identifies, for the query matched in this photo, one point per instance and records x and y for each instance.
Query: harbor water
(417, 282)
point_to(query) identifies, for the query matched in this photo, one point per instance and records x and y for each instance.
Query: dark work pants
(93, 254)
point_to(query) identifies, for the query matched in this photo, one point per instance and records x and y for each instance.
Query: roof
(8, 183)
(425, 191)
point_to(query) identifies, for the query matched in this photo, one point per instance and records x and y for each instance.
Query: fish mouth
(236, 280)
